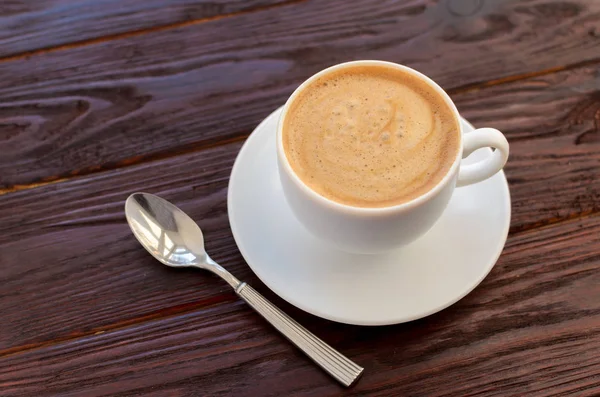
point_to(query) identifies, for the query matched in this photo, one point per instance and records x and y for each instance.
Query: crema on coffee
(370, 136)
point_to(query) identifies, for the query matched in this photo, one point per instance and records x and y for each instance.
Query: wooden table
(99, 99)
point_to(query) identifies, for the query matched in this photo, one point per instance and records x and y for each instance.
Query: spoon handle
(334, 363)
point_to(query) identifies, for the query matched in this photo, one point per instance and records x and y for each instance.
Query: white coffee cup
(373, 230)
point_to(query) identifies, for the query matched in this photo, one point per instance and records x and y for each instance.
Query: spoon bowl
(170, 235)
(165, 231)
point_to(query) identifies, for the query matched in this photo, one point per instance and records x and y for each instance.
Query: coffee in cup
(370, 136)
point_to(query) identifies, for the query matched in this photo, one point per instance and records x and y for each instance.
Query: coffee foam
(370, 136)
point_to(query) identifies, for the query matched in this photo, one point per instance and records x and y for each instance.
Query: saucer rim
(328, 316)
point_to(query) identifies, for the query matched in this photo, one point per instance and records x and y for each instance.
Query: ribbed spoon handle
(334, 363)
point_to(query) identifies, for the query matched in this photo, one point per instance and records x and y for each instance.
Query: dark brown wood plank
(531, 328)
(26, 26)
(125, 101)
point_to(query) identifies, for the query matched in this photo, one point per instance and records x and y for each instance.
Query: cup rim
(284, 162)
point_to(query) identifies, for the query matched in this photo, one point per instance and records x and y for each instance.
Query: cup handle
(480, 138)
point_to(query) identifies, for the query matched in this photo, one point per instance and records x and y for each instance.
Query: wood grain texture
(71, 238)
(120, 102)
(26, 26)
(531, 328)
(163, 104)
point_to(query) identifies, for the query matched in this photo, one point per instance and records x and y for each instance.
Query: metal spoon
(173, 238)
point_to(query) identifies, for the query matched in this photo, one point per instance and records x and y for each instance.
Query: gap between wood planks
(139, 32)
(510, 79)
(131, 161)
(187, 308)
(552, 221)
(161, 314)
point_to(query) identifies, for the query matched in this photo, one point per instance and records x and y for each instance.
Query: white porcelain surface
(402, 285)
(375, 230)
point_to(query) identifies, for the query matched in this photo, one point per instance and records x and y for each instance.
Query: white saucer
(409, 283)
